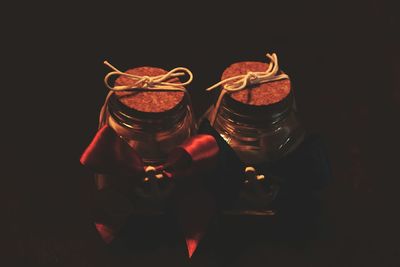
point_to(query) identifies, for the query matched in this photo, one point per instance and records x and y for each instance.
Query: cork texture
(157, 101)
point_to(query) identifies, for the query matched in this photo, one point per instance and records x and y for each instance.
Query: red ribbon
(110, 154)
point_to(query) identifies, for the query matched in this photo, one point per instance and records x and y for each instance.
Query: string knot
(252, 78)
(146, 82)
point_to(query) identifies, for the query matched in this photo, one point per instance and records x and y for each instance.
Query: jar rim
(258, 113)
(130, 116)
(115, 103)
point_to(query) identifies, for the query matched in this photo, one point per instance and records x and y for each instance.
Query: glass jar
(260, 135)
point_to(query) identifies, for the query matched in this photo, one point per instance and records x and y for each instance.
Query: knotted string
(240, 82)
(158, 83)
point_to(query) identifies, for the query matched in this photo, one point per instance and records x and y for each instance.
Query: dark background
(343, 59)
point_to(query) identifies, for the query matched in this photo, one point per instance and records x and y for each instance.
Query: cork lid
(265, 101)
(259, 95)
(148, 101)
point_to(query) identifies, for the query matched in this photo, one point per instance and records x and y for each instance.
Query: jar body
(151, 135)
(259, 140)
(264, 141)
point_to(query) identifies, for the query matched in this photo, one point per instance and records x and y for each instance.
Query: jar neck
(238, 113)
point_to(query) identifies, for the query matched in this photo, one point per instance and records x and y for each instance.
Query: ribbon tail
(192, 243)
(195, 209)
(106, 233)
(195, 206)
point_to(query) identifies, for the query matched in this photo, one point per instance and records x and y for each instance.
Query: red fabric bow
(110, 154)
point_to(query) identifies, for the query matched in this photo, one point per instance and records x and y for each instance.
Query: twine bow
(240, 82)
(149, 82)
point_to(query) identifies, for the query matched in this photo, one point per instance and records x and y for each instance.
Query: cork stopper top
(261, 94)
(148, 101)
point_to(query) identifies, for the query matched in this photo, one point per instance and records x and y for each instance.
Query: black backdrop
(343, 60)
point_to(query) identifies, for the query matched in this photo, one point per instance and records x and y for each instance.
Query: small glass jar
(260, 135)
(151, 111)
